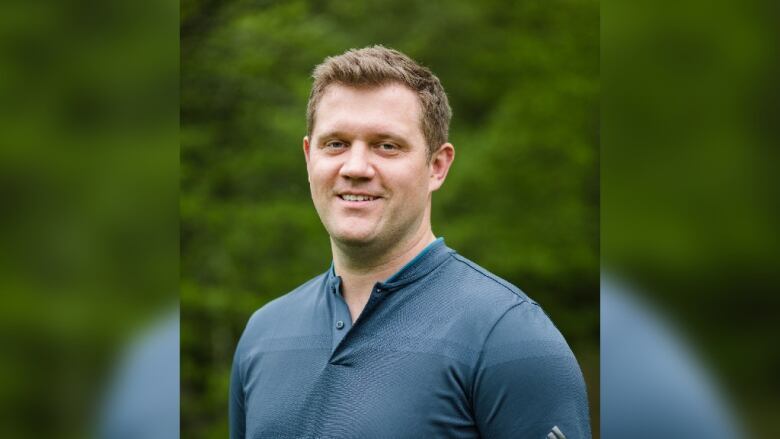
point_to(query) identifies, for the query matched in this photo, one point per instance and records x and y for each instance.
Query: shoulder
(527, 380)
(517, 322)
(524, 331)
(526, 367)
(496, 311)
(473, 275)
(485, 294)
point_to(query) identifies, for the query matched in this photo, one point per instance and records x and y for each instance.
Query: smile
(351, 197)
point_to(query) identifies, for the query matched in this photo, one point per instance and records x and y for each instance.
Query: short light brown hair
(376, 66)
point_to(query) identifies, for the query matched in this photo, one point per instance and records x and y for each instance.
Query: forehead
(390, 108)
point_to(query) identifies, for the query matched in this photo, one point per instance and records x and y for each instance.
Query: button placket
(341, 323)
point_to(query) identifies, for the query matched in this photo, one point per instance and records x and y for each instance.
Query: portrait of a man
(402, 336)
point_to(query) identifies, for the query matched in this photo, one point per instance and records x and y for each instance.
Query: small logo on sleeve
(556, 433)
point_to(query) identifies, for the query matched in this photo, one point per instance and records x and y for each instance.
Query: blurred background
(522, 198)
(690, 210)
(88, 218)
(89, 173)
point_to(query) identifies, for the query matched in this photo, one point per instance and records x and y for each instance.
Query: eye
(335, 144)
(388, 146)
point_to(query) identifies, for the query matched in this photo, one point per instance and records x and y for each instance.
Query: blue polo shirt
(443, 348)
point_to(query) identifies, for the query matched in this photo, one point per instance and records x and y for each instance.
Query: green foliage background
(522, 198)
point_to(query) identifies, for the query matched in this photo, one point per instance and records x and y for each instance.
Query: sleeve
(527, 383)
(236, 413)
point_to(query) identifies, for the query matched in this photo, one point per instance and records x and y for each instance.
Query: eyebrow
(380, 135)
(331, 134)
(390, 136)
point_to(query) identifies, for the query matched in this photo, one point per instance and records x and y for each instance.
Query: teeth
(349, 197)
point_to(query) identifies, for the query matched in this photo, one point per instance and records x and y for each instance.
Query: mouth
(357, 198)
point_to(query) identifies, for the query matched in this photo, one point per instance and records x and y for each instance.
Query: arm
(527, 380)
(237, 415)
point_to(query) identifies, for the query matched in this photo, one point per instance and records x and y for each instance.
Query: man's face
(368, 170)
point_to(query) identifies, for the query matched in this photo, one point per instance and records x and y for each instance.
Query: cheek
(319, 177)
(416, 190)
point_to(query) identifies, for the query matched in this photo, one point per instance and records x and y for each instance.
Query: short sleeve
(236, 412)
(527, 383)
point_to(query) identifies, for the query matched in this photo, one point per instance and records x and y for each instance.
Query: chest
(376, 388)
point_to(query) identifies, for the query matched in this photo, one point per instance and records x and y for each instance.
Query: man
(402, 337)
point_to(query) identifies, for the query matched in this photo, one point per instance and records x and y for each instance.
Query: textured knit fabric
(443, 348)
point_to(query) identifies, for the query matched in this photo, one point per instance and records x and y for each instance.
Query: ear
(306, 153)
(306, 148)
(441, 160)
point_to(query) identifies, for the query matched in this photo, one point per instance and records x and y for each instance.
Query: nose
(357, 164)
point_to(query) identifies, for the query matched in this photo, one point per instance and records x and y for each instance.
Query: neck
(361, 268)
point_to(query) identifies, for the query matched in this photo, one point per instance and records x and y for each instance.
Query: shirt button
(339, 324)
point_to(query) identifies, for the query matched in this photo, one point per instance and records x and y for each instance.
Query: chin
(357, 233)
(352, 239)
(352, 236)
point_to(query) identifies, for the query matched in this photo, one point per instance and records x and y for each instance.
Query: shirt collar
(433, 255)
